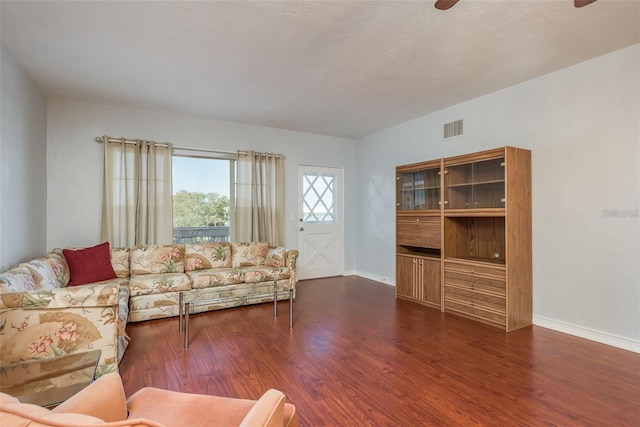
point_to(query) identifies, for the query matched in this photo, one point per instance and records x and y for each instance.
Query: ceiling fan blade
(582, 3)
(447, 4)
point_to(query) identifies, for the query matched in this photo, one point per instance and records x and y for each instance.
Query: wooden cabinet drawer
(475, 299)
(475, 282)
(475, 268)
(476, 290)
(476, 313)
(418, 231)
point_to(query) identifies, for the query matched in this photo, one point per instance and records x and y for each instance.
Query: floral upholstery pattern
(202, 256)
(122, 319)
(60, 268)
(215, 277)
(156, 259)
(248, 254)
(275, 257)
(153, 306)
(158, 283)
(48, 273)
(46, 323)
(17, 279)
(120, 261)
(95, 295)
(263, 273)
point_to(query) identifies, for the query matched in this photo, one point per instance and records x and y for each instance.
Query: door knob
(301, 228)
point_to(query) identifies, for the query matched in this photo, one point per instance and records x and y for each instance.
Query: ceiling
(340, 68)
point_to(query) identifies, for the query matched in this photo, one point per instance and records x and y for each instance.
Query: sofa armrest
(104, 399)
(268, 411)
(292, 257)
(103, 295)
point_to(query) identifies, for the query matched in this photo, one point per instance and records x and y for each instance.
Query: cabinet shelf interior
(475, 238)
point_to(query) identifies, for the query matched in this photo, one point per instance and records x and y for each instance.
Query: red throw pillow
(89, 265)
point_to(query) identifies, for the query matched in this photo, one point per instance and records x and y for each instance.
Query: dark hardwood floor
(356, 356)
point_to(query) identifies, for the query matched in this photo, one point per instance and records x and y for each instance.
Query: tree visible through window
(201, 199)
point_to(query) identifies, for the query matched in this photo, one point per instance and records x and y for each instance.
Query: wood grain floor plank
(357, 356)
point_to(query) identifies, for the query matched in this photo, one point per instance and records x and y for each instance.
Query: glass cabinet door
(418, 190)
(475, 185)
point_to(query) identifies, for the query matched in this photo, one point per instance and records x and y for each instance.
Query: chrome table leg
(187, 308)
(180, 313)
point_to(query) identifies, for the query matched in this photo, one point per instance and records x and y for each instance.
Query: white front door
(320, 227)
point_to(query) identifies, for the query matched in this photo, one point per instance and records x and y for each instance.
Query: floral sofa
(43, 313)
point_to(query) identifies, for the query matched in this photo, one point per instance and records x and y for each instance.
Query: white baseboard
(567, 328)
(590, 334)
(385, 280)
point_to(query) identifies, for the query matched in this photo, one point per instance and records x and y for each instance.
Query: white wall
(75, 162)
(23, 112)
(583, 127)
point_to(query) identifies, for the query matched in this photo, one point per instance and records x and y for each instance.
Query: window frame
(208, 155)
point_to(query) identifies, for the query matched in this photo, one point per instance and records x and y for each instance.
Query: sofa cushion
(155, 259)
(104, 399)
(120, 261)
(276, 257)
(202, 256)
(89, 265)
(248, 254)
(263, 273)
(215, 277)
(18, 279)
(60, 267)
(158, 283)
(41, 270)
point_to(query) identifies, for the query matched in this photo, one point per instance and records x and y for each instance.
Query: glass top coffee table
(49, 382)
(185, 307)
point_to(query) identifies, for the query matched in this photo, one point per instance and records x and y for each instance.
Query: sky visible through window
(201, 175)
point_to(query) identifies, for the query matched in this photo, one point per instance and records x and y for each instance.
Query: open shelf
(475, 238)
(418, 251)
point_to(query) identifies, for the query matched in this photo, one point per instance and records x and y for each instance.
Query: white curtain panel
(137, 200)
(259, 198)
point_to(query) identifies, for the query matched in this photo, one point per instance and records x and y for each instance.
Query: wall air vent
(452, 129)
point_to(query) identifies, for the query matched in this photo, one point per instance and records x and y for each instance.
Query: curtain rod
(99, 140)
(130, 141)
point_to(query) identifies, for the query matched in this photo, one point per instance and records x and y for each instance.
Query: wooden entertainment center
(463, 235)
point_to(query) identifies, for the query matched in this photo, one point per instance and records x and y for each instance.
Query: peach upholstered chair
(103, 403)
